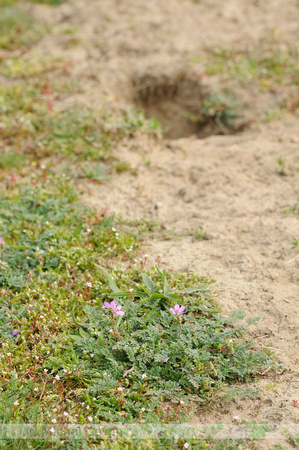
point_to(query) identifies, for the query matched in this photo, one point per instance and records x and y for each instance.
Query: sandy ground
(228, 184)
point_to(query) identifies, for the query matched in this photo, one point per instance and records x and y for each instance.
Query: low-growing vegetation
(69, 356)
(32, 129)
(268, 67)
(271, 70)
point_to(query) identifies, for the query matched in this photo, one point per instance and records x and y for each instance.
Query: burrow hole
(184, 106)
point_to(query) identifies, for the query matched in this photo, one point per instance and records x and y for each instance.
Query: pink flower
(165, 360)
(116, 309)
(177, 310)
(1, 239)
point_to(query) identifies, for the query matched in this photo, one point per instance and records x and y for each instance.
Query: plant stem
(180, 328)
(118, 333)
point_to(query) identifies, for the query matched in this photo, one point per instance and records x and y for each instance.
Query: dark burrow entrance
(184, 106)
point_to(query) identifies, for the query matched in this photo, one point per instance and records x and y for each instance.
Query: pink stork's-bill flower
(116, 309)
(177, 310)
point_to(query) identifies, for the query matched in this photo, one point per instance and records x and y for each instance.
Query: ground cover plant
(81, 346)
(32, 130)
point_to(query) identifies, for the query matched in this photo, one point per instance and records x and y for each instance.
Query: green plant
(146, 161)
(281, 165)
(269, 67)
(294, 439)
(198, 233)
(123, 166)
(40, 223)
(294, 208)
(10, 159)
(49, 2)
(257, 431)
(157, 358)
(135, 119)
(275, 113)
(31, 124)
(96, 173)
(221, 109)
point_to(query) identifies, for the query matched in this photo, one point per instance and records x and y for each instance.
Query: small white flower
(144, 376)
(16, 403)
(52, 430)
(131, 290)
(120, 389)
(8, 354)
(42, 166)
(57, 377)
(89, 419)
(82, 404)
(181, 402)
(88, 230)
(186, 445)
(65, 414)
(88, 408)
(113, 229)
(45, 370)
(145, 256)
(105, 374)
(36, 358)
(35, 389)
(54, 421)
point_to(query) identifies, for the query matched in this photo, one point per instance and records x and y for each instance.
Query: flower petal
(113, 304)
(181, 309)
(106, 305)
(172, 311)
(177, 307)
(120, 313)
